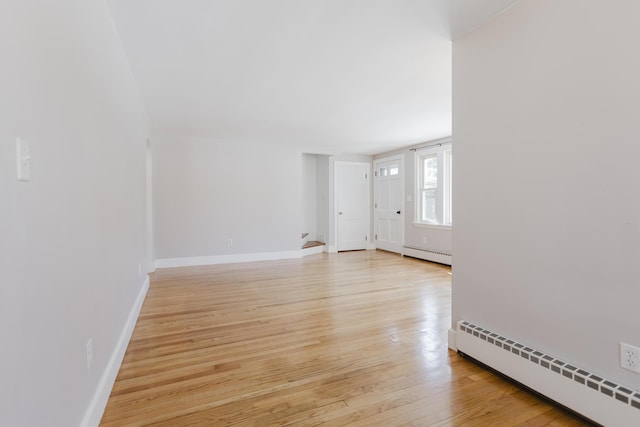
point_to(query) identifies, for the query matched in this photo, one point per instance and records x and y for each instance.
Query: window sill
(432, 226)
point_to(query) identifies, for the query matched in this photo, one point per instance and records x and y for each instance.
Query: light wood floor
(356, 338)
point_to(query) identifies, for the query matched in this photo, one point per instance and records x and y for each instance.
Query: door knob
(398, 212)
(339, 213)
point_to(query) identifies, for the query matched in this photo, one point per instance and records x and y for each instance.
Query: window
(390, 171)
(434, 166)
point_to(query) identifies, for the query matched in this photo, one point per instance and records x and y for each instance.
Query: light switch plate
(23, 158)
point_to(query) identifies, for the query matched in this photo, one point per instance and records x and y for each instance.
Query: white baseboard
(226, 259)
(98, 403)
(452, 340)
(332, 249)
(314, 250)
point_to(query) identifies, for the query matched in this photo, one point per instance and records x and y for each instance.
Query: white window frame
(444, 156)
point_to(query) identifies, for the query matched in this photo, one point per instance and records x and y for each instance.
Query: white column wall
(309, 196)
(547, 213)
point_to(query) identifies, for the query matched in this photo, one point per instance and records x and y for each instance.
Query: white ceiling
(332, 76)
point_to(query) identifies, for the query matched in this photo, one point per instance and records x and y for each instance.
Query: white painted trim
(332, 249)
(314, 250)
(433, 226)
(98, 403)
(452, 339)
(427, 256)
(592, 404)
(226, 259)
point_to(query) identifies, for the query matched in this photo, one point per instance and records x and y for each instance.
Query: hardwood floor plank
(356, 338)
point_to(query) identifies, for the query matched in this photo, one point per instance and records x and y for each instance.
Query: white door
(388, 204)
(353, 209)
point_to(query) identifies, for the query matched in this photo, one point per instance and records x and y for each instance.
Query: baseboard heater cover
(584, 392)
(432, 251)
(435, 255)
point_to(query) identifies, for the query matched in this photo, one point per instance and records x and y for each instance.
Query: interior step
(312, 244)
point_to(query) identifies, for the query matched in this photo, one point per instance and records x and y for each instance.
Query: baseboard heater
(579, 390)
(435, 255)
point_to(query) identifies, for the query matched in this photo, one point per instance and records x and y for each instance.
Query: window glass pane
(430, 172)
(383, 171)
(393, 170)
(433, 178)
(429, 206)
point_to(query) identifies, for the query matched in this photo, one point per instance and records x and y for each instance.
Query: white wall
(71, 239)
(207, 191)
(309, 196)
(547, 225)
(323, 192)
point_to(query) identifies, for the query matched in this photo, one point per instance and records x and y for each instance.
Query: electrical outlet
(630, 357)
(89, 353)
(229, 242)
